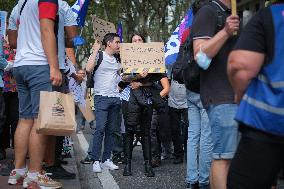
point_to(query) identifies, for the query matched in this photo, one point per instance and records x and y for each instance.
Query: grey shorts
(30, 81)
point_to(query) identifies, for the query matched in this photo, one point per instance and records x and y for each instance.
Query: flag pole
(234, 10)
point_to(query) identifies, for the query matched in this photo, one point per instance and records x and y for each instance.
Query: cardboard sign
(3, 21)
(136, 57)
(101, 28)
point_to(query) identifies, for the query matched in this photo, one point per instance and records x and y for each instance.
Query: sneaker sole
(25, 185)
(109, 168)
(14, 182)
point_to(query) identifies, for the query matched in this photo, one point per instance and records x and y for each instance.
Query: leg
(146, 140)
(255, 165)
(194, 130)
(14, 114)
(185, 130)
(111, 127)
(225, 141)
(175, 123)
(206, 146)
(101, 113)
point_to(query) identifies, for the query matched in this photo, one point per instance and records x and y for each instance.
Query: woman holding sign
(137, 112)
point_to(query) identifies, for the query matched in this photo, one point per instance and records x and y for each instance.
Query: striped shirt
(125, 94)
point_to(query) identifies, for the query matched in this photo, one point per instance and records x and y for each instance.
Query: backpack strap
(100, 59)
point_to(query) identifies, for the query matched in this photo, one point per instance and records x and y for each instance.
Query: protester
(256, 72)
(11, 102)
(178, 115)
(3, 64)
(35, 69)
(107, 102)
(212, 31)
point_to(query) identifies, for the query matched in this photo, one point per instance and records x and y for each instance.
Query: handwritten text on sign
(137, 56)
(101, 28)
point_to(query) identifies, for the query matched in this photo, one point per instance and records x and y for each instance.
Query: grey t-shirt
(177, 96)
(106, 77)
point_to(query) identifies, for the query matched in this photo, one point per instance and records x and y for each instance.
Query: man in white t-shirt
(107, 101)
(35, 69)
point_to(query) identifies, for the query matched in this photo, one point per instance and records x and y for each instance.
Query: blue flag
(119, 31)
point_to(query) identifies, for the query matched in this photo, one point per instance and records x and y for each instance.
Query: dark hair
(136, 33)
(109, 37)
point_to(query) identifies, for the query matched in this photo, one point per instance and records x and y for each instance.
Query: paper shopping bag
(87, 111)
(56, 114)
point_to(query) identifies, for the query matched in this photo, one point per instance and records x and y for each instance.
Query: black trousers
(178, 129)
(257, 162)
(143, 131)
(2, 113)
(11, 121)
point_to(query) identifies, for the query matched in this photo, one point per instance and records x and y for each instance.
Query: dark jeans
(160, 131)
(12, 117)
(178, 130)
(257, 162)
(2, 111)
(107, 117)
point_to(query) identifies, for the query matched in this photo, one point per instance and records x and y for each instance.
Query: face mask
(203, 60)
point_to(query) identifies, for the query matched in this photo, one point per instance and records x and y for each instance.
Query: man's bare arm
(242, 67)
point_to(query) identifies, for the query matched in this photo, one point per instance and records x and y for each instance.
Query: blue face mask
(203, 60)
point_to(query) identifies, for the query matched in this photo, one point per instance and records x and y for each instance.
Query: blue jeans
(199, 143)
(107, 117)
(225, 133)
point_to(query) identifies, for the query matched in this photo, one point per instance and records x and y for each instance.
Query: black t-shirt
(258, 35)
(215, 87)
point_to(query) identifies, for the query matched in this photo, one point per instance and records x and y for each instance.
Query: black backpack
(90, 76)
(185, 70)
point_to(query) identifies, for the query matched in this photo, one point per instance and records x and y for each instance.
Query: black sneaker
(87, 160)
(59, 172)
(178, 160)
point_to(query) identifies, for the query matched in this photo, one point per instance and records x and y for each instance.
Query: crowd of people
(230, 133)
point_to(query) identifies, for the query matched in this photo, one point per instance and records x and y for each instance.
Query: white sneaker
(108, 164)
(97, 167)
(42, 181)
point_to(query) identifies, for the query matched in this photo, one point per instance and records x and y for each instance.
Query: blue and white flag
(3, 21)
(80, 9)
(177, 38)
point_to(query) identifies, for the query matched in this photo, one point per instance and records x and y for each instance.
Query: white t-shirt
(66, 18)
(107, 77)
(29, 47)
(13, 19)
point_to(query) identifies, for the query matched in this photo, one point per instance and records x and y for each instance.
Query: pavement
(168, 176)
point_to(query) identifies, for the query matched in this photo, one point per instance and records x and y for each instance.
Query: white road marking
(105, 177)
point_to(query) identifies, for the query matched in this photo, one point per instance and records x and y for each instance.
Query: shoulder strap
(221, 14)
(101, 56)
(23, 6)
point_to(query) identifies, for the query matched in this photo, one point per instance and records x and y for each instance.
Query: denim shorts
(30, 81)
(224, 128)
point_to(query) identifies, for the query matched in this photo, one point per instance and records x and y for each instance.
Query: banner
(101, 28)
(136, 57)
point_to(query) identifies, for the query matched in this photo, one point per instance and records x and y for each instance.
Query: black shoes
(178, 160)
(59, 172)
(149, 172)
(87, 160)
(127, 168)
(196, 186)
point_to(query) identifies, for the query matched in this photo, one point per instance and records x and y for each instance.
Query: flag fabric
(177, 38)
(119, 31)
(80, 9)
